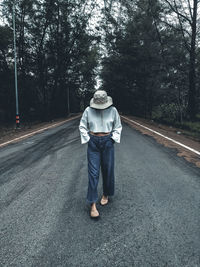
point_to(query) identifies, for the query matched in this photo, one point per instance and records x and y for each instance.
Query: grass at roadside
(191, 128)
(188, 128)
(169, 115)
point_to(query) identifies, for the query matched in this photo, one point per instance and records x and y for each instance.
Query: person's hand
(113, 141)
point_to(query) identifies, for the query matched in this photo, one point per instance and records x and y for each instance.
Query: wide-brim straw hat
(101, 100)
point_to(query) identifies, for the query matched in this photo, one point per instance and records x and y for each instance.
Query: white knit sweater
(100, 120)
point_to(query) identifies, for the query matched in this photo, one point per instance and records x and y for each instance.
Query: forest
(144, 53)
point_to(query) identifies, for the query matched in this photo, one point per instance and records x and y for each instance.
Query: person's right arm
(83, 128)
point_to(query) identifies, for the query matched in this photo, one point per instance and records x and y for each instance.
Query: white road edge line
(38, 131)
(170, 139)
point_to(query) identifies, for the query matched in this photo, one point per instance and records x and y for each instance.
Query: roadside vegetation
(57, 57)
(145, 54)
(152, 64)
(170, 115)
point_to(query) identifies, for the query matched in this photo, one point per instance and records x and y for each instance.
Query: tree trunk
(192, 70)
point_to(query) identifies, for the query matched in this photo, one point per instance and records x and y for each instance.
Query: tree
(53, 45)
(187, 19)
(7, 100)
(135, 60)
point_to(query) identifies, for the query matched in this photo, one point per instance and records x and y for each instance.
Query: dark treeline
(152, 62)
(146, 53)
(56, 58)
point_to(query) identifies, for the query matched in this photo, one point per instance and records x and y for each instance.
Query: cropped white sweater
(100, 120)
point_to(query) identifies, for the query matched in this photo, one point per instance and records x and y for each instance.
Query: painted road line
(170, 139)
(38, 131)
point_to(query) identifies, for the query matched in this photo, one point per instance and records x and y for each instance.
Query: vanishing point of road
(153, 219)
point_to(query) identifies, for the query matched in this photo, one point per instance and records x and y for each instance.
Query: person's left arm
(117, 127)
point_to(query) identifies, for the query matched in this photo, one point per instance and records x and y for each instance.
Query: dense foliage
(145, 53)
(56, 58)
(152, 58)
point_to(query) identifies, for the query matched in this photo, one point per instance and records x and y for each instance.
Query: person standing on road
(100, 127)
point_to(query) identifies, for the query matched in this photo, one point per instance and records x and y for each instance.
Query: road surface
(153, 219)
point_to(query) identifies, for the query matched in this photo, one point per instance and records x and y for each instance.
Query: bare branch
(190, 9)
(184, 38)
(175, 9)
(175, 28)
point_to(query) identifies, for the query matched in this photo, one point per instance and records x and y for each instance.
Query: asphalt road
(153, 219)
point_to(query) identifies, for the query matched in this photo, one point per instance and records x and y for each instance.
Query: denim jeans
(100, 153)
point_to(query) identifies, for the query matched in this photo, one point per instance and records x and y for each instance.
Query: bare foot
(94, 212)
(104, 200)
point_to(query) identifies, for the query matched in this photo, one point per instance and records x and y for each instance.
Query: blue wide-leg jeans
(100, 154)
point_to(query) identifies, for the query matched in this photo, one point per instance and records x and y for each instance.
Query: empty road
(153, 219)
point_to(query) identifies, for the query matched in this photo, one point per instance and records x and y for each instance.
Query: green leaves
(147, 62)
(57, 55)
